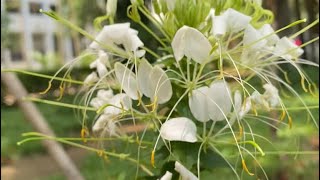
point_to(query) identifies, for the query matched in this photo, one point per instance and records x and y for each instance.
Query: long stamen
(244, 166)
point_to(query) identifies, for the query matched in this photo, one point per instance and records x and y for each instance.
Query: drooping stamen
(290, 121)
(48, 88)
(83, 133)
(303, 85)
(153, 104)
(287, 78)
(61, 88)
(152, 159)
(244, 166)
(283, 115)
(311, 90)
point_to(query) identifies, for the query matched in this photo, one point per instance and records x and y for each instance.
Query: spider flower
(191, 43)
(119, 34)
(184, 172)
(179, 129)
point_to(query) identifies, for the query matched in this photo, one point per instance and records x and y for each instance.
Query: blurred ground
(37, 166)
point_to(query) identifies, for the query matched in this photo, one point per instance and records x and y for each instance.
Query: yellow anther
(240, 132)
(62, 88)
(46, 90)
(283, 115)
(290, 121)
(83, 133)
(303, 84)
(152, 159)
(153, 104)
(244, 166)
(100, 152)
(286, 77)
(311, 91)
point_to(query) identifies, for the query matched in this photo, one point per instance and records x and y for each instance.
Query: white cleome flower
(241, 109)
(118, 103)
(251, 36)
(153, 82)
(160, 85)
(268, 30)
(91, 78)
(166, 176)
(286, 49)
(100, 63)
(219, 100)
(198, 104)
(230, 21)
(271, 95)
(184, 172)
(119, 34)
(179, 129)
(191, 43)
(127, 80)
(105, 122)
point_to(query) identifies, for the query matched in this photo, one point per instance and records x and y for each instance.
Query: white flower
(91, 78)
(144, 72)
(198, 104)
(100, 63)
(127, 80)
(118, 103)
(103, 97)
(240, 109)
(230, 21)
(252, 35)
(167, 176)
(271, 94)
(192, 43)
(160, 85)
(219, 100)
(211, 103)
(153, 82)
(267, 30)
(184, 172)
(179, 129)
(105, 122)
(246, 107)
(286, 49)
(119, 34)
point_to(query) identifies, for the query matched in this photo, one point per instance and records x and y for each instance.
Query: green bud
(111, 8)
(133, 13)
(156, 6)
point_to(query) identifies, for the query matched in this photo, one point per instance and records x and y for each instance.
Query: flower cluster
(200, 76)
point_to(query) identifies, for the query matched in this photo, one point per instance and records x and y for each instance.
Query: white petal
(104, 58)
(184, 172)
(120, 102)
(266, 30)
(97, 102)
(127, 80)
(160, 85)
(287, 49)
(101, 122)
(178, 43)
(271, 94)
(245, 108)
(192, 43)
(252, 35)
(198, 104)
(219, 100)
(101, 69)
(91, 78)
(219, 26)
(237, 101)
(105, 95)
(236, 20)
(179, 129)
(167, 176)
(170, 4)
(144, 79)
